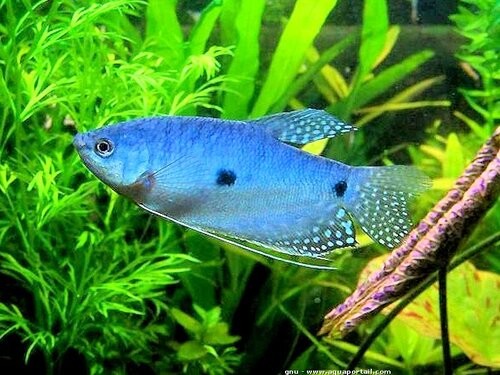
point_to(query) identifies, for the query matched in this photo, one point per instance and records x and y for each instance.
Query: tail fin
(380, 199)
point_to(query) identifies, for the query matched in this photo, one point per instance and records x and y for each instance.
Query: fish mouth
(79, 141)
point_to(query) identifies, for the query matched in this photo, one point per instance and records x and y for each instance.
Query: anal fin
(319, 239)
(235, 242)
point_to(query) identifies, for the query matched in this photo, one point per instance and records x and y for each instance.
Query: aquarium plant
(92, 284)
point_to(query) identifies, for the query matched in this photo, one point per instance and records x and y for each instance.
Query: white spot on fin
(380, 206)
(319, 239)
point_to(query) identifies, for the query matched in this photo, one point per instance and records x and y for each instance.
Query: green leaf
(189, 323)
(415, 348)
(203, 28)
(373, 39)
(244, 67)
(435, 152)
(304, 24)
(164, 31)
(373, 35)
(218, 334)
(209, 317)
(454, 159)
(318, 64)
(480, 131)
(402, 100)
(377, 110)
(390, 41)
(331, 84)
(474, 311)
(113, 306)
(191, 351)
(390, 76)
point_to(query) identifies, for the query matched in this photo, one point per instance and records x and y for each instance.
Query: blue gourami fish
(242, 180)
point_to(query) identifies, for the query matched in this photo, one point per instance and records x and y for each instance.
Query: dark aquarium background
(90, 284)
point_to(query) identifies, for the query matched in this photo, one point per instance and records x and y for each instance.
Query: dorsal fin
(302, 126)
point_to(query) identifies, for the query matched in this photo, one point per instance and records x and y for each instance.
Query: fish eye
(104, 147)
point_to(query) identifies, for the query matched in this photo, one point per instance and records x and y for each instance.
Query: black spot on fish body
(340, 188)
(225, 177)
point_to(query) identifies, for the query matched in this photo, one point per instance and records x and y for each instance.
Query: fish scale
(241, 180)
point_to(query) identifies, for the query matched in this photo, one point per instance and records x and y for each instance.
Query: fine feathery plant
(479, 22)
(82, 270)
(445, 156)
(86, 278)
(73, 59)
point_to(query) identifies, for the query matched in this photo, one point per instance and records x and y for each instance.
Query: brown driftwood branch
(435, 238)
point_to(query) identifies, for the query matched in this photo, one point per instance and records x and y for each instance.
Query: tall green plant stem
(443, 318)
